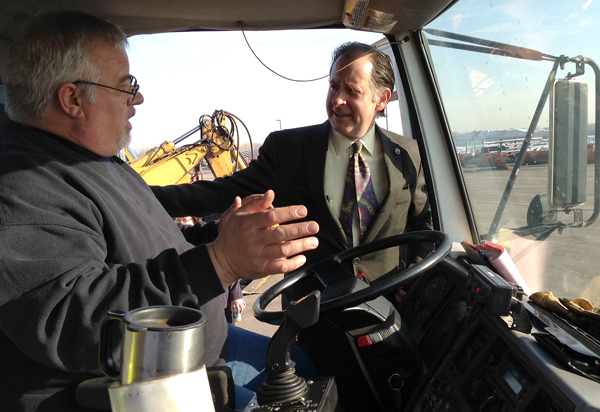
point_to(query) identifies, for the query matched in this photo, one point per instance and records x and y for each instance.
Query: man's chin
(125, 139)
(347, 132)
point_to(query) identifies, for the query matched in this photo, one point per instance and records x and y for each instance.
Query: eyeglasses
(132, 80)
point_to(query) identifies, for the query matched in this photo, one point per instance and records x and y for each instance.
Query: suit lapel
(392, 156)
(315, 152)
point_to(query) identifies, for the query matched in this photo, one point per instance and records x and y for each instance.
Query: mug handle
(105, 349)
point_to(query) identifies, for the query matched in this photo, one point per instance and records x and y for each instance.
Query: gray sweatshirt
(81, 235)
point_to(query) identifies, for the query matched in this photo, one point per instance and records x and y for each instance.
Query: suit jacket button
(355, 261)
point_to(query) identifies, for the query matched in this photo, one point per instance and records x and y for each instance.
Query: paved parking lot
(251, 293)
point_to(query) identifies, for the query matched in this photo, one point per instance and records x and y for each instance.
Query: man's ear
(70, 100)
(383, 100)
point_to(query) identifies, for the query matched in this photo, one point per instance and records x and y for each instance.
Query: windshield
(186, 75)
(493, 103)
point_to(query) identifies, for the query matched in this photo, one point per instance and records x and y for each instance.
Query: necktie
(358, 192)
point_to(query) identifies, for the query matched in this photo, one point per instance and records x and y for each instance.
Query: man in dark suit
(309, 166)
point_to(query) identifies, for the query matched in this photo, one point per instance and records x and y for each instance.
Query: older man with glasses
(81, 233)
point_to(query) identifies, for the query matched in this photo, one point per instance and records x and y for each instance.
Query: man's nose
(338, 99)
(139, 99)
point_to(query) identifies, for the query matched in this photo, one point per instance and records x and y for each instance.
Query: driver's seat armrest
(222, 388)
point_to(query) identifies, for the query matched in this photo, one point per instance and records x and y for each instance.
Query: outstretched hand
(253, 241)
(237, 203)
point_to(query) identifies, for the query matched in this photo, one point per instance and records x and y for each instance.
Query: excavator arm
(170, 164)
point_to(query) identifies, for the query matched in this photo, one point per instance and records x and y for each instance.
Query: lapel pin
(397, 151)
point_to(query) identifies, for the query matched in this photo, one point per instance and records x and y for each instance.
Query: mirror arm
(521, 156)
(580, 69)
(594, 216)
(580, 63)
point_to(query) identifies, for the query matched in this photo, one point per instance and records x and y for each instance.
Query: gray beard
(125, 140)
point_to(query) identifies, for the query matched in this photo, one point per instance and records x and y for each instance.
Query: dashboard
(477, 360)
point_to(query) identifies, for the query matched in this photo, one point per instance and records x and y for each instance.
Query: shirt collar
(341, 143)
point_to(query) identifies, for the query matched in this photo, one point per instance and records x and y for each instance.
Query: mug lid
(163, 318)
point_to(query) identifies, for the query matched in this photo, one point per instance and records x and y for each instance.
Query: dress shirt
(339, 152)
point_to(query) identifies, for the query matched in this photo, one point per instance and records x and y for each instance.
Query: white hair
(54, 49)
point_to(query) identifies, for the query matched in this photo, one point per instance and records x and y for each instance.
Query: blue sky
(507, 89)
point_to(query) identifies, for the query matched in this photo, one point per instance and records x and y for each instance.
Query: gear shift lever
(283, 390)
(282, 384)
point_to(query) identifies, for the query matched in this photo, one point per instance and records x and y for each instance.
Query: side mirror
(567, 154)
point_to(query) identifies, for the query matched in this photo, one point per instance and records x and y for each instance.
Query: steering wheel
(441, 240)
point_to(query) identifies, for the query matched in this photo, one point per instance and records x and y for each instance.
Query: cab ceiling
(157, 16)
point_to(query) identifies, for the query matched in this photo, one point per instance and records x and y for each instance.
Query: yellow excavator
(170, 163)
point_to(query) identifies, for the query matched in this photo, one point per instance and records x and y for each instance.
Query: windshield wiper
(487, 46)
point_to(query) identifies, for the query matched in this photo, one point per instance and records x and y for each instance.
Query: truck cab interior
(503, 315)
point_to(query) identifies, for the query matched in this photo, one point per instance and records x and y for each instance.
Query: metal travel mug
(156, 342)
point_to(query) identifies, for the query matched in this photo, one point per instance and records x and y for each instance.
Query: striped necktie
(358, 192)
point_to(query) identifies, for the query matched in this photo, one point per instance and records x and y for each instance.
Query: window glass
(492, 102)
(186, 75)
